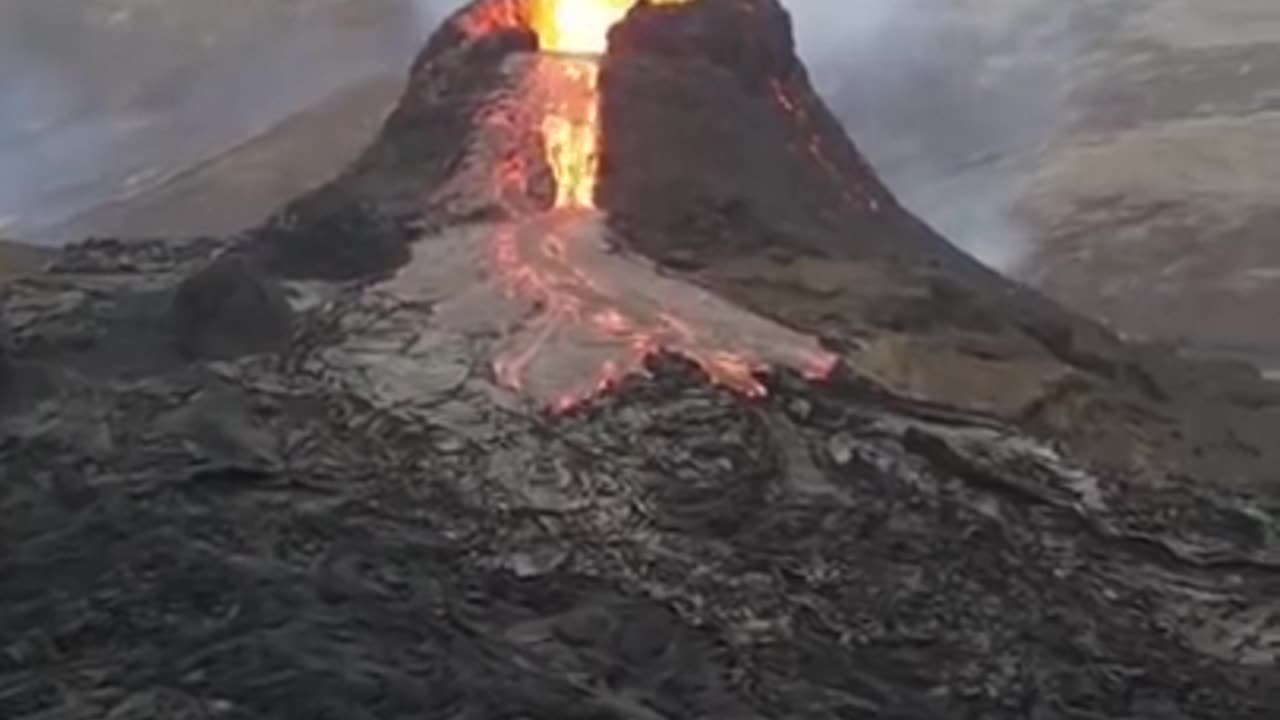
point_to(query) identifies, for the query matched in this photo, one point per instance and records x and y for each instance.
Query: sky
(937, 93)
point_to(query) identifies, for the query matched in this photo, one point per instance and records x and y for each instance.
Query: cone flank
(694, 144)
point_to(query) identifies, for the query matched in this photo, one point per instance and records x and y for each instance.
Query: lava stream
(552, 262)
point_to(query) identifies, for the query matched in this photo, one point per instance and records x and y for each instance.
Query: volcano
(610, 383)
(584, 306)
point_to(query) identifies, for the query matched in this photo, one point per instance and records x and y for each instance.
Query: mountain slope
(1156, 212)
(243, 184)
(1118, 156)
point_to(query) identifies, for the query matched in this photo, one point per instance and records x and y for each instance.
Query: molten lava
(572, 127)
(552, 261)
(577, 26)
(571, 131)
(581, 26)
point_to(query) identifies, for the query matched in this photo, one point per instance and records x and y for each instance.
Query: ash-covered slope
(307, 472)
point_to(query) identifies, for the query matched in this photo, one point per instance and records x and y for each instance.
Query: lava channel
(594, 314)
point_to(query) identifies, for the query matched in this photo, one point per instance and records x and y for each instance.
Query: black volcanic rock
(992, 509)
(331, 234)
(229, 309)
(675, 77)
(7, 369)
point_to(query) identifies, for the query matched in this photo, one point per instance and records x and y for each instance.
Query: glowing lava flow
(550, 262)
(577, 26)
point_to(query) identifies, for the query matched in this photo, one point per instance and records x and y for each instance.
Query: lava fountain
(572, 127)
(595, 315)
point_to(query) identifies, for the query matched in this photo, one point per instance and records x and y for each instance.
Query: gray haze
(97, 98)
(946, 97)
(941, 96)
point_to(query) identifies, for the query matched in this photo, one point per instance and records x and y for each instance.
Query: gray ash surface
(259, 538)
(274, 537)
(334, 511)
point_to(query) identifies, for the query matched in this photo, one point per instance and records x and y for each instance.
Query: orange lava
(571, 132)
(542, 269)
(493, 16)
(577, 26)
(572, 128)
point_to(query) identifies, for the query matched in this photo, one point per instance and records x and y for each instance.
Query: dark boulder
(6, 360)
(229, 309)
(331, 235)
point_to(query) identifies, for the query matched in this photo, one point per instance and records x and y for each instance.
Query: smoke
(99, 98)
(948, 99)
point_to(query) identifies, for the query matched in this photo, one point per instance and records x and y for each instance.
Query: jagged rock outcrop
(6, 358)
(229, 309)
(138, 120)
(845, 260)
(370, 523)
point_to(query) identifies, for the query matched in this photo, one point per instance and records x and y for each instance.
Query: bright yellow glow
(578, 26)
(571, 126)
(581, 26)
